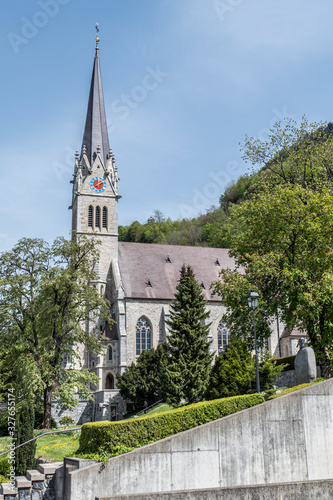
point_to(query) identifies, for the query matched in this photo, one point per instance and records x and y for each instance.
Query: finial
(84, 149)
(97, 38)
(76, 154)
(98, 149)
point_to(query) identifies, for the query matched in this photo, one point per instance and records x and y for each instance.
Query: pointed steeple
(95, 130)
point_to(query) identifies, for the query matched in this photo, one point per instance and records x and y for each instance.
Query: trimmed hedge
(295, 388)
(109, 437)
(286, 360)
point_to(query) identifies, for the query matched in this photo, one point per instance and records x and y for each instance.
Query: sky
(184, 82)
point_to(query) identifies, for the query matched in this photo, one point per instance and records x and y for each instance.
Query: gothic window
(90, 216)
(105, 217)
(110, 353)
(98, 217)
(223, 336)
(109, 381)
(143, 335)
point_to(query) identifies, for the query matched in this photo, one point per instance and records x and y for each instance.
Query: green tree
(233, 372)
(293, 154)
(46, 301)
(286, 254)
(189, 357)
(24, 431)
(141, 381)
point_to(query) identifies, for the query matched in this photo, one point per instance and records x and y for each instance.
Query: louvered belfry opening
(105, 217)
(90, 216)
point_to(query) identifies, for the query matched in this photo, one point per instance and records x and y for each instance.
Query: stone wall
(284, 440)
(81, 414)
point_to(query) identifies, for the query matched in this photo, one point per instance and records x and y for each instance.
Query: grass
(159, 409)
(52, 447)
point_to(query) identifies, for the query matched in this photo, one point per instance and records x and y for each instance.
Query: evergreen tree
(25, 456)
(189, 357)
(141, 380)
(233, 372)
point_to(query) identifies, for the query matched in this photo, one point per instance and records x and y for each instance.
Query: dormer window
(217, 262)
(148, 283)
(168, 259)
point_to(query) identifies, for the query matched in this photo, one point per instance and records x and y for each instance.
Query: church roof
(95, 130)
(151, 271)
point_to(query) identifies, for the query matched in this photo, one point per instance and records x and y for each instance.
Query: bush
(110, 437)
(289, 361)
(66, 420)
(4, 469)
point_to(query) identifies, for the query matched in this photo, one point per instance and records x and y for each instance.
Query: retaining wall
(308, 490)
(284, 440)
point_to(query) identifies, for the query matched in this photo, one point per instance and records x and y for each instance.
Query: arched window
(223, 336)
(90, 216)
(105, 217)
(143, 335)
(110, 353)
(98, 217)
(109, 381)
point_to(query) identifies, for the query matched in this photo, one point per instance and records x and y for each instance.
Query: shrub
(4, 469)
(289, 361)
(110, 437)
(66, 420)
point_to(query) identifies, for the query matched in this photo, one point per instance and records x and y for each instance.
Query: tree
(141, 381)
(24, 431)
(286, 250)
(189, 357)
(293, 154)
(46, 301)
(233, 372)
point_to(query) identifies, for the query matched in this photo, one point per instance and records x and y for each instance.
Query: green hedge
(109, 437)
(286, 360)
(295, 388)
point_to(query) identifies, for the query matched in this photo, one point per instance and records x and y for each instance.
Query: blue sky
(184, 81)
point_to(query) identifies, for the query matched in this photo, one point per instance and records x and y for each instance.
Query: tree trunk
(324, 363)
(47, 407)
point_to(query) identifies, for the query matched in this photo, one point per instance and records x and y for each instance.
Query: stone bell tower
(95, 183)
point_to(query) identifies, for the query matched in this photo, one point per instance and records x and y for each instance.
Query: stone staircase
(35, 485)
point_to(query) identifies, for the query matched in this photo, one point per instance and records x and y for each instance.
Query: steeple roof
(95, 130)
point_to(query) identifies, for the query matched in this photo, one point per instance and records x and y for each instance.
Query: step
(22, 482)
(35, 475)
(47, 469)
(7, 489)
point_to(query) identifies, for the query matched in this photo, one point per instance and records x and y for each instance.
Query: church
(138, 279)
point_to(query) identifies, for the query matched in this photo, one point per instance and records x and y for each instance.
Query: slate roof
(159, 265)
(95, 130)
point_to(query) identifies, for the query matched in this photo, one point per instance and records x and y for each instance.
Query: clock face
(98, 184)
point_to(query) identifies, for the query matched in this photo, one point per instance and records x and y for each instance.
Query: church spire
(95, 131)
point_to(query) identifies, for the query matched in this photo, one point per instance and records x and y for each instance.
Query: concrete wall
(283, 440)
(307, 490)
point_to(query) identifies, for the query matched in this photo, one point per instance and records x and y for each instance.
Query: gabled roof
(95, 130)
(152, 271)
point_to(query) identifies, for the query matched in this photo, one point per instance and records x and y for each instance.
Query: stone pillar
(305, 363)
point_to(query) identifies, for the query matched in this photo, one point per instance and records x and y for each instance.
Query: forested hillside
(278, 161)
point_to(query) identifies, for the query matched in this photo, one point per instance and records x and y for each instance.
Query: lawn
(52, 447)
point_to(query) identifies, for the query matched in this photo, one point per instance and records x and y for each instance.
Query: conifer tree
(233, 372)
(25, 456)
(189, 357)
